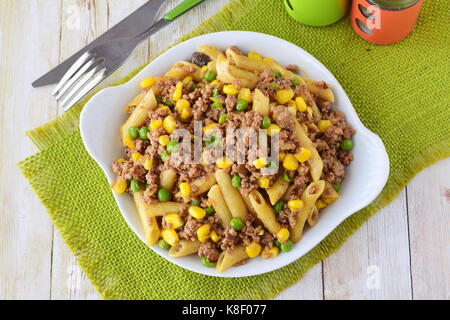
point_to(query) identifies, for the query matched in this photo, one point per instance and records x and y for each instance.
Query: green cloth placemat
(400, 92)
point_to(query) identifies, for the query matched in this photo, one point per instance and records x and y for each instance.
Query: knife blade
(131, 26)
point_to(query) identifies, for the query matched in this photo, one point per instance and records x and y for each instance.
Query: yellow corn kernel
(164, 140)
(261, 233)
(309, 110)
(169, 124)
(295, 205)
(197, 212)
(148, 163)
(156, 124)
(209, 127)
(224, 163)
(254, 55)
(203, 232)
(120, 185)
(283, 235)
(268, 60)
(303, 155)
(178, 92)
(253, 250)
(245, 94)
(135, 156)
(216, 83)
(186, 113)
(127, 141)
(284, 95)
(273, 129)
(185, 189)
(305, 127)
(264, 182)
(163, 108)
(320, 204)
(301, 104)
(260, 163)
(214, 236)
(271, 253)
(182, 104)
(230, 89)
(281, 156)
(290, 162)
(174, 220)
(187, 80)
(170, 236)
(148, 82)
(324, 125)
(121, 160)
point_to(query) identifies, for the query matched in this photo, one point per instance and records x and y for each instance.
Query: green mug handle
(181, 8)
(317, 12)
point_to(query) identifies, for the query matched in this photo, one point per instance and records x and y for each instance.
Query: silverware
(99, 62)
(131, 26)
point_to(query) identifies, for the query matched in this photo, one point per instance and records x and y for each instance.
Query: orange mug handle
(381, 25)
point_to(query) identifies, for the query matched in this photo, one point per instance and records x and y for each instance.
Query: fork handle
(182, 8)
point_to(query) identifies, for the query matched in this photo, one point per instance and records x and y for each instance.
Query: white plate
(365, 177)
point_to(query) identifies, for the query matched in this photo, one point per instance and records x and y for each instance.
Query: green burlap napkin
(400, 92)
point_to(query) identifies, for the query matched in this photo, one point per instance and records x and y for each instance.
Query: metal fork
(99, 62)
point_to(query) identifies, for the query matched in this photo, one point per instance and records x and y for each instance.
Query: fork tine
(80, 62)
(87, 66)
(97, 78)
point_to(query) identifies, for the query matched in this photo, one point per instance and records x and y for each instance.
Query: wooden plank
(374, 262)
(26, 231)
(429, 227)
(308, 288)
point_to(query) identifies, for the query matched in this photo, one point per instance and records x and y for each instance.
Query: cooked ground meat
(210, 250)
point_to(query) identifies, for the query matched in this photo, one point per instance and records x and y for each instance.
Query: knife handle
(182, 8)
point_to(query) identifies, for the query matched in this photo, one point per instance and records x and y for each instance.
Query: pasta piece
(315, 163)
(277, 190)
(313, 216)
(309, 198)
(167, 179)
(184, 248)
(197, 71)
(288, 192)
(231, 195)
(248, 203)
(137, 118)
(210, 51)
(199, 186)
(159, 209)
(264, 212)
(227, 260)
(261, 103)
(326, 94)
(225, 75)
(133, 103)
(329, 195)
(215, 198)
(149, 223)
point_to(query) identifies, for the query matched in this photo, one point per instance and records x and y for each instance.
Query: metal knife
(131, 26)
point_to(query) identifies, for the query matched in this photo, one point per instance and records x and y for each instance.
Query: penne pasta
(149, 223)
(264, 212)
(248, 203)
(215, 198)
(313, 216)
(277, 190)
(227, 259)
(184, 248)
(133, 103)
(326, 94)
(167, 179)
(315, 163)
(231, 195)
(200, 186)
(159, 209)
(210, 51)
(261, 103)
(309, 198)
(224, 74)
(329, 195)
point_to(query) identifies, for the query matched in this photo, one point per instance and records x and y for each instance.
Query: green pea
(143, 133)
(223, 118)
(193, 87)
(172, 147)
(164, 156)
(210, 211)
(241, 105)
(215, 92)
(133, 132)
(287, 246)
(134, 186)
(209, 76)
(272, 165)
(209, 142)
(278, 206)
(216, 103)
(346, 145)
(208, 263)
(169, 104)
(195, 203)
(158, 99)
(266, 122)
(295, 81)
(337, 187)
(236, 181)
(236, 224)
(277, 74)
(273, 85)
(277, 244)
(163, 245)
(163, 195)
(286, 178)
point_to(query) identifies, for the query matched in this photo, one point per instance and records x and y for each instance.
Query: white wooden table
(403, 252)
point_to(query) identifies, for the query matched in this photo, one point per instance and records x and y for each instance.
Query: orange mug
(384, 21)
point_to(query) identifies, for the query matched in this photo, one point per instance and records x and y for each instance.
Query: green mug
(317, 12)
